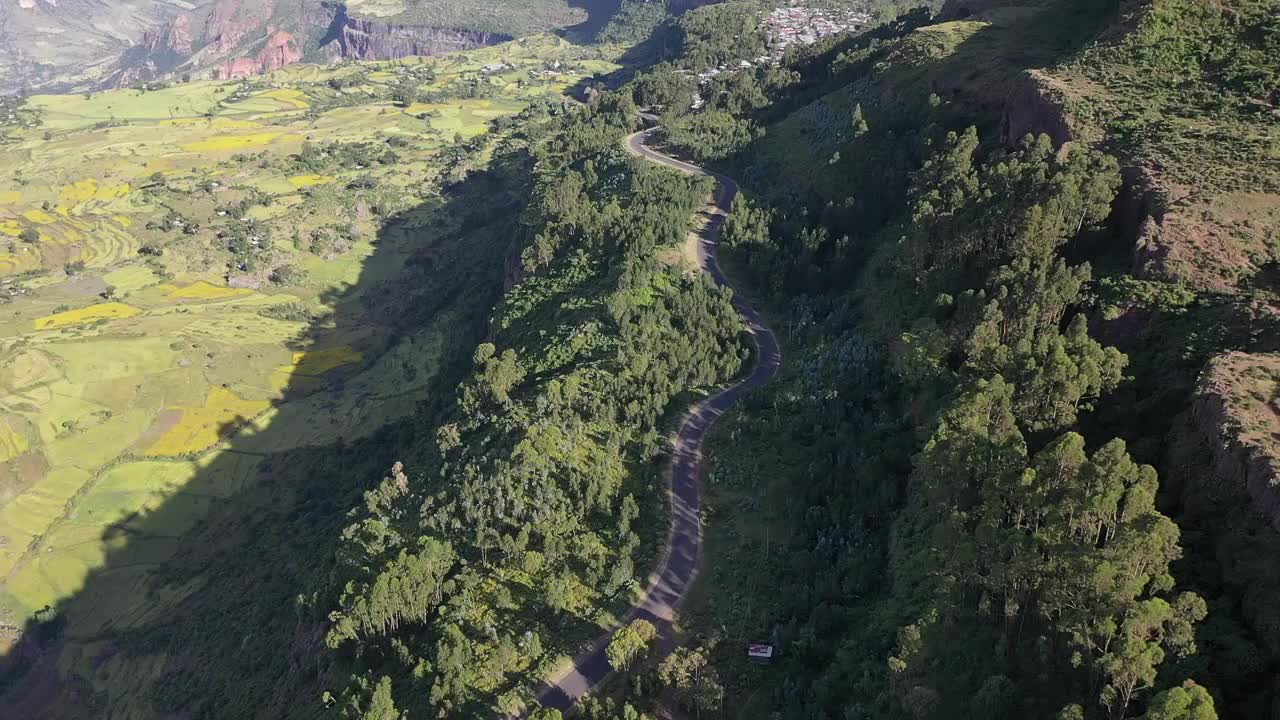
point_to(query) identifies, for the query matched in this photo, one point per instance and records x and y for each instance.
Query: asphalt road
(679, 564)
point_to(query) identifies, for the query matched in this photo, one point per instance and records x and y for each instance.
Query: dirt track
(678, 566)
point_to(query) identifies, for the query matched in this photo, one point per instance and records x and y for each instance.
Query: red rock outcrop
(174, 36)
(281, 49)
(218, 38)
(230, 21)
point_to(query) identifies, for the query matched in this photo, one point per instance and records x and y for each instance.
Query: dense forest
(980, 529)
(980, 487)
(967, 522)
(525, 530)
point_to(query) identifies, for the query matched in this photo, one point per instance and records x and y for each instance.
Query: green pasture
(71, 112)
(130, 278)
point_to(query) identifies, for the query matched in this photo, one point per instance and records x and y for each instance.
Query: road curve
(678, 566)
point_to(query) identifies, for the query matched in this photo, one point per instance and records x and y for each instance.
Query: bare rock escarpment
(369, 39)
(1229, 442)
(281, 49)
(230, 22)
(1035, 106)
(173, 37)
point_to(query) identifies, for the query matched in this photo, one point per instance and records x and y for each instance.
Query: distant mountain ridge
(78, 45)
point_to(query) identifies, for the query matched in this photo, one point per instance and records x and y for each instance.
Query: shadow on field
(663, 43)
(599, 13)
(214, 603)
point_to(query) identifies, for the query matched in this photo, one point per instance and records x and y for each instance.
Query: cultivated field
(171, 264)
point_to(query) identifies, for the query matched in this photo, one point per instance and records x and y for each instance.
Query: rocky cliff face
(1222, 243)
(231, 21)
(281, 49)
(1176, 234)
(174, 37)
(130, 41)
(162, 49)
(67, 44)
(206, 37)
(1035, 107)
(366, 39)
(1227, 444)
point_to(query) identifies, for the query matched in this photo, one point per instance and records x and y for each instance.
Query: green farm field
(199, 280)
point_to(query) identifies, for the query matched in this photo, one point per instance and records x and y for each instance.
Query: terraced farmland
(199, 280)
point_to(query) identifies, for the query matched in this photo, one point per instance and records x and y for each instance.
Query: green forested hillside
(1019, 460)
(534, 524)
(952, 408)
(928, 517)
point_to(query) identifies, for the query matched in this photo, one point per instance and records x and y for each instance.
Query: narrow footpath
(678, 565)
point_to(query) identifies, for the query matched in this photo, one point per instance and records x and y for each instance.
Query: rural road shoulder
(678, 565)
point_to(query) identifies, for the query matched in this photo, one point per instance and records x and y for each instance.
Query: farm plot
(175, 265)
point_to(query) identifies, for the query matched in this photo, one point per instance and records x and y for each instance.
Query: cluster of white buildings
(791, 25)
(798, 24)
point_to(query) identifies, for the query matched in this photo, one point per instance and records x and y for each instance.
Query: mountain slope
(121, 44)
(73, 40)
(891, 247)
(1021, 461)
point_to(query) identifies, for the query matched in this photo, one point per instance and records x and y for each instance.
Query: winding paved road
(679, 564)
